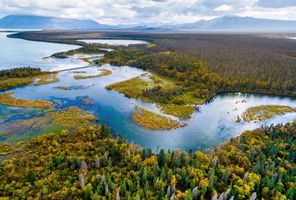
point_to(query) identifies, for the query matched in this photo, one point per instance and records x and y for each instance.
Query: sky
(151, 11)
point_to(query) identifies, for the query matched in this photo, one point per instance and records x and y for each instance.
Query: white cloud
(149, 11)
(224, 8)
(270, 13)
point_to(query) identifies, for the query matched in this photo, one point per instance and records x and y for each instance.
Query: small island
(43, 79)
(7, 99)
(17, 77)
(264, 112)
(103, 72)
(163, 91)
(154, 121)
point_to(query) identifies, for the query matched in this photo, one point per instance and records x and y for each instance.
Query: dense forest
(20, 72)
(258, 63)
(16, 77)
(87, 163)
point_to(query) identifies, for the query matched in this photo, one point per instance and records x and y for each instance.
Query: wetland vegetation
(79, 159)
(16, 77)
(264, 112)
(46, 78)
(163, 91)
(103, 72)
(153, 121)
(8, 99)
(46, 121)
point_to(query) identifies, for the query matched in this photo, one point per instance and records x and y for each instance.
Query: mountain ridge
(224, 23)
(46, 22)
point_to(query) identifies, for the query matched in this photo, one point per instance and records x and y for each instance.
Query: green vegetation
(79, 72)
(63, 87)
(7, 99)
(132, 88)
(51, 121)
(46, 79)
(75, 87)
(9, 83)
(153, 121)
(261, 65)
(12, 78)
(103, 72)
(19, 72)
(161, 90)
(181, 111)
(87, 163)
(264, 112)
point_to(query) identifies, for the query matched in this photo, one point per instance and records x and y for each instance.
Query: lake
(23, 53)
(215, 122)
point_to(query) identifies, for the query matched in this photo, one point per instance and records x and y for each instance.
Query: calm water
(23, 53)
(213, 124)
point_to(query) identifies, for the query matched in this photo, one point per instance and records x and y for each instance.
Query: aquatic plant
(264, 112)
(154, 121)
(7, 99)
(51, 121)
(165, 92)
(103, 72)
(46, 78)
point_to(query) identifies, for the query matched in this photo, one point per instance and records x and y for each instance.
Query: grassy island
(46, 78)
(12, 78)
(132, 88)
(103, 72)
(7, 99)
(264, 112)
(153, 121)
(163, 91)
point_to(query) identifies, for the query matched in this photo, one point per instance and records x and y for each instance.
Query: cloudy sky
(151, 11)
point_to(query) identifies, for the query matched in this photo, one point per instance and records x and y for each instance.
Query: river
(214, 122)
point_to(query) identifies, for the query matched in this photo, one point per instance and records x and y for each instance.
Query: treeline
(194, 73)
(16, 77)
(19, 72)
(249, 62)
(87, 163)
(191, 74)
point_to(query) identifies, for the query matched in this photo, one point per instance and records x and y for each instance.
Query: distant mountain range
(41, 22)
(235, 23)
(226, 23)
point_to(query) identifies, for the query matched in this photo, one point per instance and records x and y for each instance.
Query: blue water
(23, 53)
(215, 122)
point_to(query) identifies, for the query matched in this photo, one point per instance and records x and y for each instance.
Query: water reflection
(211, 123)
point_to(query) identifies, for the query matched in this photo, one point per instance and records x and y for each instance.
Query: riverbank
(264, 112)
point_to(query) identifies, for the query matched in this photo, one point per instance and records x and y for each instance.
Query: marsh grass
(264, 112)
(179, 105)
(153, 121)
(132, 88)
(15, 82)
(181, 111)
(103, 72)
(7, 99)
(53, 121)
(46, 79)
